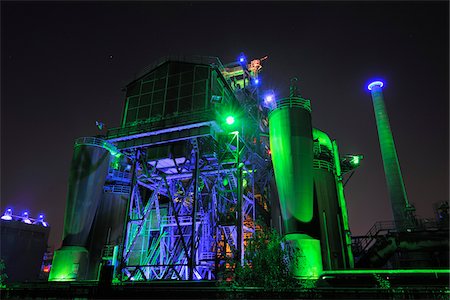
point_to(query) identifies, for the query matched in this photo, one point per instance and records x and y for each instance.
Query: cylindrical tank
(291, 147)
(89, 167)
(85, 190)
(333, 243)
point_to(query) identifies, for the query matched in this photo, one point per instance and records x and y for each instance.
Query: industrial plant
(204, 154)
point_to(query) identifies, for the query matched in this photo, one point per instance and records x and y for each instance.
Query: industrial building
(202, 152)
(23, 243)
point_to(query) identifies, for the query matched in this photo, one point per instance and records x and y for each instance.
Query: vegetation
(267, 264)
(3, 275)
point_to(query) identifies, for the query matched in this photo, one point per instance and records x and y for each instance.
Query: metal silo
(291, 145)
(333, 234)
(89, 167)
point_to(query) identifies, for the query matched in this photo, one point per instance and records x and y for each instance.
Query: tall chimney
(401, 208)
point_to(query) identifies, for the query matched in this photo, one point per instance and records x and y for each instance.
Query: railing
(163, 123)
(93, 141)
(322, 164)
(362, 243)
(119, 175)
(293, 102)
(117, 189)
(182, 220)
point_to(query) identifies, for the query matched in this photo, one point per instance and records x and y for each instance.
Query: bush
(267, 264)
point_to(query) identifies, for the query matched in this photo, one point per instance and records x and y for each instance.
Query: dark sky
(64, 64)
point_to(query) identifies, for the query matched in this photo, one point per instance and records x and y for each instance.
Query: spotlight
(230, 120)
(7, 215)
(25, 218)
(40, 220)
(269, 98)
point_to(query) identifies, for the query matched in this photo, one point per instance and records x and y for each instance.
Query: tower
(401, 208)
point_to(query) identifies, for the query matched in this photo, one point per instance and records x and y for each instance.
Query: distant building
(23, 244)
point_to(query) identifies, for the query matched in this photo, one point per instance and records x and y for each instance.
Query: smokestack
(401, 208)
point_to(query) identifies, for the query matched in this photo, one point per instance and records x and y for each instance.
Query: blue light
(241, 59)
(256, 81)
(40, 220)
(375, 83)
(7, 215)
(25, 218)
(269, 98)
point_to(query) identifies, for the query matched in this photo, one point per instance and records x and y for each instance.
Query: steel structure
(174, 192)
(193, 194)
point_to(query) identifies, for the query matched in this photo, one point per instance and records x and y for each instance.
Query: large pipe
(394, 179)
(336, 246)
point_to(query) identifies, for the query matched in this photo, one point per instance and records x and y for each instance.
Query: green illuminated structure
(308, 175)
(400, 206)
(291, 145)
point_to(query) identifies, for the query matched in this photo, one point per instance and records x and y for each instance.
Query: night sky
(64, 65)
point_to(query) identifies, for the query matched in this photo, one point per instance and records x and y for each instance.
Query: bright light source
(355, 160)
(40, 220)
(375, 83)
(269, 98)
(241, 59)
(25, 218)
(256, 81)
(7, 215)
(230, 120)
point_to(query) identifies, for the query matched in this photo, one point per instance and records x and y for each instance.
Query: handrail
(322, 164)
(93, 141)
(292, 102)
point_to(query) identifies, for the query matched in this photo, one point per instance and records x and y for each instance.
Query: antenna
(293, 90)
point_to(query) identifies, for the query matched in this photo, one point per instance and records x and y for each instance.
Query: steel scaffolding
(189, 214)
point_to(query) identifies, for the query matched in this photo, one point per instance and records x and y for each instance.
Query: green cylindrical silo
(332, 231)
(291, 146)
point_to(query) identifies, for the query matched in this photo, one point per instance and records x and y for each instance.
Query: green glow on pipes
(292, 156)
(230, 120)
(379, 271)
(112, 149)
(355, 160)
(66, 263)
(225, 181)
(307, 256)
(342, 203)
(323, 138)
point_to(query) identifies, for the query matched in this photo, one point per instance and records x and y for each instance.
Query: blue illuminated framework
(194, 191)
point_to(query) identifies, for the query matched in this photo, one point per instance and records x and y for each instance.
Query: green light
(230, 120)
(69, 264)
(401, 271)
(307, 262)
(355, 160)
